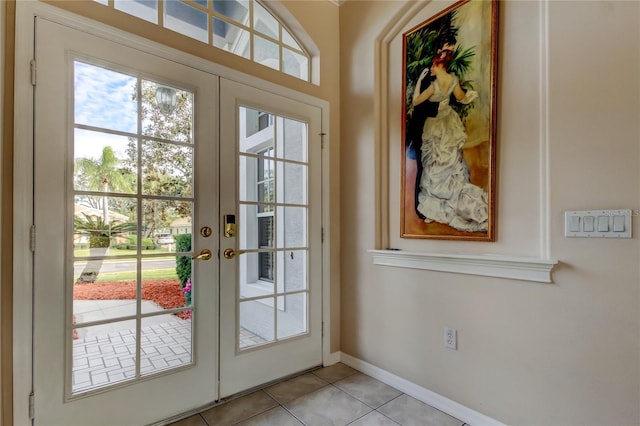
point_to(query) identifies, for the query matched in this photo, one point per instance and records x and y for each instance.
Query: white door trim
(23, 175)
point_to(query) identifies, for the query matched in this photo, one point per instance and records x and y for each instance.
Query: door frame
(23, 176)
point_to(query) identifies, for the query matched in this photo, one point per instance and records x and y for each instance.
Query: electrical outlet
(450, 338)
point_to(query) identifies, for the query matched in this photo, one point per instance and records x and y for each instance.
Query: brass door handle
(204, 255)
(231, 253)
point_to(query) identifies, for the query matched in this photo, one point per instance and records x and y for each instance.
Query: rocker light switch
(603, 224)
(588, 223)
(618, 224)
(598, 223)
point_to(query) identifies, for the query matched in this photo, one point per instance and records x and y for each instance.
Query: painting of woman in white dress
(449, 152)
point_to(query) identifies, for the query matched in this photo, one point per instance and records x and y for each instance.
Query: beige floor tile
(368, 390)
(275, 417)
(374, 419)
(295, 388)
(409, 411)
(335, 372)
(239, 409)
(191, 421)
(328, 406)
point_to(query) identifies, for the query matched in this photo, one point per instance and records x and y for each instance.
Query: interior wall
(528, 353)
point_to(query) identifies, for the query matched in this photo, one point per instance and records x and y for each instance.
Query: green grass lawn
(118, 252)
(155, 274)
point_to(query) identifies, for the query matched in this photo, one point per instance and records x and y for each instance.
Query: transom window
(243, 27)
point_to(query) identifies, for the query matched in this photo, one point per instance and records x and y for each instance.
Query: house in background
(529, 352)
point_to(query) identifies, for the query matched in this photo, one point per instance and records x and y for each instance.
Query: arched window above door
(243, 27)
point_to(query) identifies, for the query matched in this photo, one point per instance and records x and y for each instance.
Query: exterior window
(265, 186)
(243, 27)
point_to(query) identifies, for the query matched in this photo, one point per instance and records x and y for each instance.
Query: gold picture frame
(449, 124)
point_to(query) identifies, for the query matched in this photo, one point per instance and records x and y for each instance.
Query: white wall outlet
(450, 338)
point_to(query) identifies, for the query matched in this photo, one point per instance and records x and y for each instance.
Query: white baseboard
(332, 358)
(435, 400)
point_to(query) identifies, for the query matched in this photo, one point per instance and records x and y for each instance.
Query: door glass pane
(256, 275)
(167, 169)
(256, 322)
(292, 143)
(292, 179)
(292, 227)
(187, 20)
(167, 112)
(165, 342)
(103, 355)
(292, 315)
(125, 269)
(104, 162)
(103, 98)
(256, 231)
(293, 270)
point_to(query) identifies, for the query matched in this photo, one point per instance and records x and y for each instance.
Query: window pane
(144, 9)
(103, 98)
(187, 20)
(167, 112)
(266, 52)
(238, 10)
(292, 315)
(167, 169)
(104, 162)
(289, 40)
(295, 64)
(231, 38)
(264, 22)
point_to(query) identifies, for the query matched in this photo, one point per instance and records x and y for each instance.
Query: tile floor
(333, 396)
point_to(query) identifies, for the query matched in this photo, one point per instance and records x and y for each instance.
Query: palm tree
(102, 175)
(100, 233)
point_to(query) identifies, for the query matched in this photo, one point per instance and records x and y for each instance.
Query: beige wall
(529, 353)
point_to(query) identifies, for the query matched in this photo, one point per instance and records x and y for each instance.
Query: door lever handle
(204, 255)
(231, 253)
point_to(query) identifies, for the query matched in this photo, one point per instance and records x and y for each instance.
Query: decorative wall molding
(490, 265)
(431, 398)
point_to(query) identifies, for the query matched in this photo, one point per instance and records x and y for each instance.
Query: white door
(270, 268)
(126, 155)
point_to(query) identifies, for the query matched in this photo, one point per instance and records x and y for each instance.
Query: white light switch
(618, 224)
(588, 223)
(603, 224)
(598, 223)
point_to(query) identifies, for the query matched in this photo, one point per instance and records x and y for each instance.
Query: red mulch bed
(165, 293)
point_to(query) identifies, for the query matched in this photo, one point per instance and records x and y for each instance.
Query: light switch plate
(598, 223)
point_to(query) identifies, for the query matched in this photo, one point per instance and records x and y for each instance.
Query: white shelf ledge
(489, 265)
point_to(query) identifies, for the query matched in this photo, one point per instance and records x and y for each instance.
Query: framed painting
(449, 132)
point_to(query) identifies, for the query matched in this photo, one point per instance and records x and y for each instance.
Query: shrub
(183, 263)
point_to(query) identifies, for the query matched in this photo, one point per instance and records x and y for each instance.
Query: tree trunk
(98, 247)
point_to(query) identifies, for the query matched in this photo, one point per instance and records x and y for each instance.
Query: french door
(270, 266)
(126, 177)
(170, 269)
